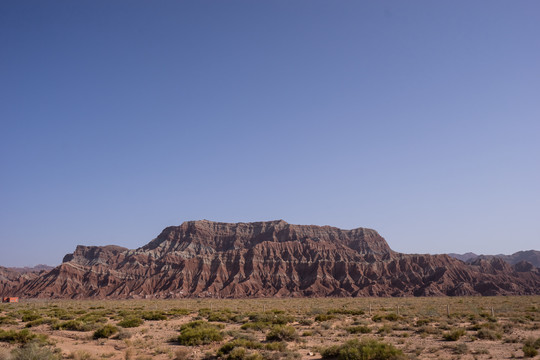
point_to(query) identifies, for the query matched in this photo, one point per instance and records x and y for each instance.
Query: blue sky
(420, 119)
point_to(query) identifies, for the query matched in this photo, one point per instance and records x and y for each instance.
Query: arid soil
(419, 328)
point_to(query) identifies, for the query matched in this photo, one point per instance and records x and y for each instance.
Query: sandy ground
(152, 340)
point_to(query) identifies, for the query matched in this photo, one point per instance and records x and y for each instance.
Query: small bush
(529, 351)
(21, 337)
(199, 333)
(258, 325)
(220, 316)
(5, 320)
(281, 333)
(389, 317)
(34, 351)
(532, 342)
(40, 321)
(453, 335)
(361, 350)
(354, 312)
(360, 329)
(385, 329)
(276, 346)
(178, 312)
(182, 354)
(422, 322)
(154, 315)
(531, 346)
(424, 330)
(461, 349)
(60, 314)
(238, 353)
(243, 343)
(30, 317)
(131, 322)
(487, 334)
(105, 332)
(74, 325)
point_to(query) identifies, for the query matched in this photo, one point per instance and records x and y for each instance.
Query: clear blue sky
(420, 119)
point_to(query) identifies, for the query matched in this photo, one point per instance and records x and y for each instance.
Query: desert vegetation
(310, 328)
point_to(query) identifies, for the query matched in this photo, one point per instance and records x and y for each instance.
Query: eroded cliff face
(274, 258)
(12, 279)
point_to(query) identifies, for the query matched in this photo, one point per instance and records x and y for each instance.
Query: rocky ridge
(273, 258)
(530, 256)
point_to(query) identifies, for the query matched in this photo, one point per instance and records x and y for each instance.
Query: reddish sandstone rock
(263, 259)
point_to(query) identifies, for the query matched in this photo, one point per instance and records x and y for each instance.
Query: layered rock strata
(263, 259)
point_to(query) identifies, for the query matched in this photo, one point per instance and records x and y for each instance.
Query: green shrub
(204, 312)
(385, 329)
(531, 346)
(454, 335)
(243, 343)
(360, 329)
(61, 314)
(22, 337)
(353, 312)
(361, 350)
(86, 322)
(105, 332)
(422, 322)
(33, 323)
(529, 351)
(199, 333)
(389, 317)
(220, 316)
(154, 315)
(487, 334)
(131, 322)
(461, 349)
(34, 351)
(258, 325)
(532, 342)
(178, 312)
(74, 325)
(30, 317)
(5, 320)
(238, 353)
(306, 322)
(276, 346)
(281, 333)
(428, 330)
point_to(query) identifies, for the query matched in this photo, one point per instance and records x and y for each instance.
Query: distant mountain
(26, 269)
(266, 259)
(531, 256)
(463, 257)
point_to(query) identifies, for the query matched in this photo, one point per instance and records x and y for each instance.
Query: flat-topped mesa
(207, 237)
(267, 259)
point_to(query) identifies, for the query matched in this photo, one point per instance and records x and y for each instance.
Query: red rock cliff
(274, 258)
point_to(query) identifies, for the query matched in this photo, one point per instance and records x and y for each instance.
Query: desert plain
(273, 328)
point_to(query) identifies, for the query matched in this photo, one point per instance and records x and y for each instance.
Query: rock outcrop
(274, 258)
